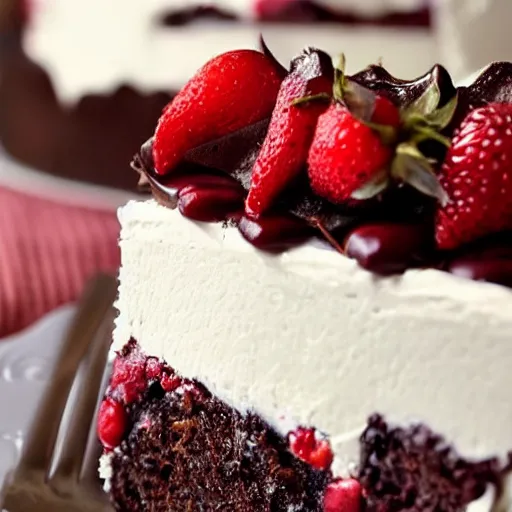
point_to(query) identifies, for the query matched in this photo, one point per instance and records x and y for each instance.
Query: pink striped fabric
(48, 250)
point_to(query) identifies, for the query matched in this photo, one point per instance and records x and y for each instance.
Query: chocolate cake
(314, 308)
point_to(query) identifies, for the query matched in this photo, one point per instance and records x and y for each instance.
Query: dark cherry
(274, 233)
(180, 181)
(492, 270)
(388, 248)
(488, 259)
(209, 204)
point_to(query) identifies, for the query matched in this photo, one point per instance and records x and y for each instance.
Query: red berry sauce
(134, 377)
(305, 445)
(344, 496)
(112, 423)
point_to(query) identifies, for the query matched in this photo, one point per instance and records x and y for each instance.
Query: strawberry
(230, 92)
(363, 142)
(346, 153)
(477, 176)
(285, 149)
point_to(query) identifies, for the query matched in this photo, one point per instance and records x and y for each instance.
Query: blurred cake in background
(472, 34)
(83, 83)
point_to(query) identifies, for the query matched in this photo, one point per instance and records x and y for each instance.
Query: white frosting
(309, 335)
(95, 46)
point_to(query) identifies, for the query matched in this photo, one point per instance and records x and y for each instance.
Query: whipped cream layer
(307, 337)
(94, 46)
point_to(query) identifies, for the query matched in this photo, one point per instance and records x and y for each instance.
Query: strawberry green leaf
(387, 134)
(413, 168)
(339, 78)
(426, 103)
(373, 187)
(441, 118)
(422, 133)
(309, 99)
(359, 100)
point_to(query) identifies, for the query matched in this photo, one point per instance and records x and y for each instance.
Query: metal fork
(57, 467)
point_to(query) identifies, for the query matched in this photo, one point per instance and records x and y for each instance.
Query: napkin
(48, 250)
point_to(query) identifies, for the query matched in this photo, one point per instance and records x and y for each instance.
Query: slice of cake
(264, 360)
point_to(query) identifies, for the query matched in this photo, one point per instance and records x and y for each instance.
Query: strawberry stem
(323, 96)
(317, 223)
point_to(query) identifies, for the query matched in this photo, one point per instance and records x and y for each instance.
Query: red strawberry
(477, 175)
(285, 149)
(346, 153)
(231, 91)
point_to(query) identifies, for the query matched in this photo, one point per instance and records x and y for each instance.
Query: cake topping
(285, 148)
(477, 174)
(383, 151)
(231, 91)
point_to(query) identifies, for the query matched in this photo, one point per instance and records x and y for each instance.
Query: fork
(56, 471)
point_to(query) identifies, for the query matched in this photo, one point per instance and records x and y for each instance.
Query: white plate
(26, 361)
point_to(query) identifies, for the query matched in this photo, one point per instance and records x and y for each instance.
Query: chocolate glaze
(387, 235)
(299, 11)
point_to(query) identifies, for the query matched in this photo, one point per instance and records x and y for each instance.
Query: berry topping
(128, 381)
(345, 155)
(170, 382)
(477, 176)
(344, 496)
(388, 248)
(285, 149)
(230, 92)
(112, 421)
(305, 445)
(274, 233)
(153, 368)
(363, 142)
(210, 204)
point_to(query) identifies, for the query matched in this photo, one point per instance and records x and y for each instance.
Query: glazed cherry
(343, 496)
(388, 248)
(181, 181)
(112, 422)
(490, 270)
(274, 232)
(209, 204)
(305, 445)
(488, 260)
